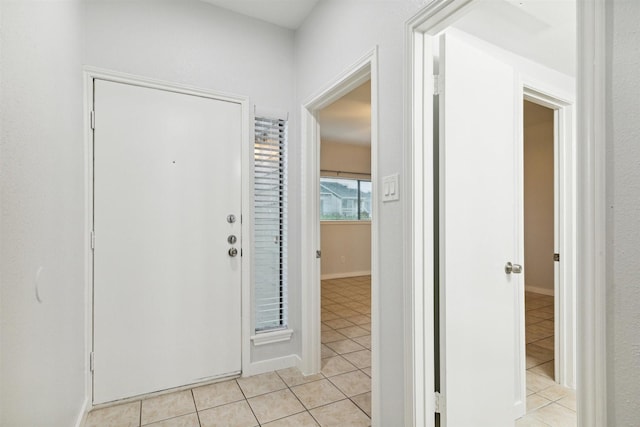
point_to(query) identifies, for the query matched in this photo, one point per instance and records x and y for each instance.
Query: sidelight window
(270, 224)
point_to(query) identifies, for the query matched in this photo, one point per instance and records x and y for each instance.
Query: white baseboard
(345, 275)
(538, 290)
(84, 411)
(519, 409)
(265, 366)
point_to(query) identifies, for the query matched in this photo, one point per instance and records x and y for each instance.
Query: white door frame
(565, 235)
(590, 226)
(91, 73)
(362, 70)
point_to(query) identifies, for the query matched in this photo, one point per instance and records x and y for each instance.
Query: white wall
(44, 46)
(623, 206)
(345, 245)
(42, 182)
(538, 198)
(336, 35)
(195, 43)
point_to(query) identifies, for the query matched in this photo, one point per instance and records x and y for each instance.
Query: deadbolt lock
(232, 239)
(231, 218)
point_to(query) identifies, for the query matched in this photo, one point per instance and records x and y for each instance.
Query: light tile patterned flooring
(338, 396)
(341, 394)
(548, 404)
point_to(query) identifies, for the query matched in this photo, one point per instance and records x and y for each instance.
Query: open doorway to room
(539, 223)
(474, 66)
(542, 201)
(345, 214)
(363, 385)
(539, 245)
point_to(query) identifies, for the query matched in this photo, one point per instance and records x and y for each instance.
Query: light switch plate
(390, 188)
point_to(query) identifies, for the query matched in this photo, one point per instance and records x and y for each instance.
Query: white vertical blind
(270, 223)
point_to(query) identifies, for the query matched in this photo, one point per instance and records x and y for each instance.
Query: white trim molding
(84, 412)
(272, 337)
(365, 68)
(565, 143)
(270, 365)
(591, 226)
(418, 303)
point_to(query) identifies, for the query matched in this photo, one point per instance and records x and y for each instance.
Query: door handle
(512, 268)
(233, 252)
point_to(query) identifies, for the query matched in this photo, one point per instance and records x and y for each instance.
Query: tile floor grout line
(296, 396)
(358, 406)
(303, 405)
(196, 406)
(171, 418)
(247, 400)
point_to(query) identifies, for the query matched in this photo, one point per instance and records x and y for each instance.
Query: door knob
(233, 252)
(512, 268)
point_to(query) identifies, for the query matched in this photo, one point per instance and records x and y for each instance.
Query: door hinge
(93, 239)
(438, 402)
(91, 361)
(556, 257)
(93, 119)
(318, 254)
(437, 84)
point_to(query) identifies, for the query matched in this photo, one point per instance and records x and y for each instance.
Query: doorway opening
(362, 75)
(543, 281)
(446, 192)
(479, 222)
(539, 238)
(345, 213)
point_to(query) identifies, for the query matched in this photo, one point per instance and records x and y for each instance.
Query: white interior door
(167, 172)
(479, 235)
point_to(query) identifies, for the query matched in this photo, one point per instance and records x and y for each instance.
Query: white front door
(479, 208)
(167, 173)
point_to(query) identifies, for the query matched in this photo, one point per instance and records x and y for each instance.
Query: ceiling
(284, 13)
(348, 120)
(541, 30)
